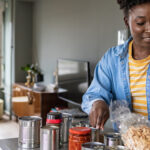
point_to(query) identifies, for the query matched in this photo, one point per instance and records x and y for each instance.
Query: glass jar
(78, 136)
(54, 118)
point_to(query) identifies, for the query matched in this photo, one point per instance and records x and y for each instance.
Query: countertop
(12, 144)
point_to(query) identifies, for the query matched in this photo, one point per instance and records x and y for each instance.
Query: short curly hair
(125, 5)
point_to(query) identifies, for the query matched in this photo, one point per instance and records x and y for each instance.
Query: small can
(112, 139)
(95, 135)
(29, 132)
(49, 138)
(93, 146)
(66, 125)
(120, 147)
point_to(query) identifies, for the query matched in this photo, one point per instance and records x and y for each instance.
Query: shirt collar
(122, 50)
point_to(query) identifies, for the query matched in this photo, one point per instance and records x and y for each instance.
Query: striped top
(137, 74)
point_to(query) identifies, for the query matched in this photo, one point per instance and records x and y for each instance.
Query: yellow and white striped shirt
(137, 74)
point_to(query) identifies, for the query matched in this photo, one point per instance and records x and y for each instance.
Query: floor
(8, 129)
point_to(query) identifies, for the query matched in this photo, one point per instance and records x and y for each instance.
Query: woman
(123, 72)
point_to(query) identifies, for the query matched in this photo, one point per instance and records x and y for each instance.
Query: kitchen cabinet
(43, 100)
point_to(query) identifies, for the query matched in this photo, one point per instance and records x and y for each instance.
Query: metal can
(112, 139)
(49, 138)
(93, 146)
(29, 131)
(120, 147)
(95, 135)
(66, 124)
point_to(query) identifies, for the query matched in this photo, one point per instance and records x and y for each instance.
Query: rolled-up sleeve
(101, 86)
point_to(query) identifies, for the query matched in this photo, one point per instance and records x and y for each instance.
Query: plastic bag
(134, 128)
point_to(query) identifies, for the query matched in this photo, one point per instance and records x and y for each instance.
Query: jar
(78, 136)
(54, 118)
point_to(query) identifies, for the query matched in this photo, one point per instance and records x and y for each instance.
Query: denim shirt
(111, 79)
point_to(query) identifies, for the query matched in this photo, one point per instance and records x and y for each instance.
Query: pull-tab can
(49, 138)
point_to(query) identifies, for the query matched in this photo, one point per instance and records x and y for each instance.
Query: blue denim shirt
(111, 79)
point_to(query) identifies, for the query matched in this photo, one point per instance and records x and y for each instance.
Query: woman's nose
(147, 28)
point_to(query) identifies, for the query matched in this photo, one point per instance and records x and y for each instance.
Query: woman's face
(139, 23)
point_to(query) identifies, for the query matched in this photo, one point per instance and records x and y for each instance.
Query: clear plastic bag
(134, 128)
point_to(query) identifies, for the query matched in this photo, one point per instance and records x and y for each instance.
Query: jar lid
(80, 130)
(54, 115)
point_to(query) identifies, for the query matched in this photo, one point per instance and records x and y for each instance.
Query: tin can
(49, 138)
(93, 146)
(66, 124)
(95, 135)
(29, 131)
(120, 147)
(112, 139)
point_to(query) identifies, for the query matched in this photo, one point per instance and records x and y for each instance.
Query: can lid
(80, 130)
(30, 118)
(93, 145)
(112, 135)
(54, 115)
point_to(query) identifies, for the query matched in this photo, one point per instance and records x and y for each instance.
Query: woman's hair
(125, 5)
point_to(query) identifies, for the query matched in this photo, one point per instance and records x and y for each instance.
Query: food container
(49, 138)
(66, 124)
(54, 118)
(120, 147)
(112, 139)
(95, 135)
(93, 146)
(78, 136)
(29, 131)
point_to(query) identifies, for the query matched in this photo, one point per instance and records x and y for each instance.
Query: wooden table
(43, 100)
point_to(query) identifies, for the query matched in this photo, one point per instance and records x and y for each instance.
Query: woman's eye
(140, 23)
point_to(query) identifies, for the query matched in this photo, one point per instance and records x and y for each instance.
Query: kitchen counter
(12, 144)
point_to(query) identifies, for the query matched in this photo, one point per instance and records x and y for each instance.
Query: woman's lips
(147, 39)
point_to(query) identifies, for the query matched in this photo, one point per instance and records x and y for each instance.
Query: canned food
(66, 124)
(120, 147)
(112, 139)
(78, 136)
(54, 118)
(29, 131)
(49, 138)
(93, 146)
(95, 135)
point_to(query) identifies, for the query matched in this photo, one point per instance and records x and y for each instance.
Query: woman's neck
(139, 52)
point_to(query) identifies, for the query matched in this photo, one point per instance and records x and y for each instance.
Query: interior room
(48, 53)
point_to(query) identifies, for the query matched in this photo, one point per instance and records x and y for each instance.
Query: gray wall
(23, 37)
(76, 29)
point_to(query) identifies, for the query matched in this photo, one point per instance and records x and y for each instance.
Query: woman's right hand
(99, 114)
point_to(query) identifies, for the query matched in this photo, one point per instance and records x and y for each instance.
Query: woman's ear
(126, 21)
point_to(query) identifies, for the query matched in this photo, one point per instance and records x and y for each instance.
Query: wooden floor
(8, 129)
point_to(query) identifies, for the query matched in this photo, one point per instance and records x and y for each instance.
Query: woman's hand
(99, 114)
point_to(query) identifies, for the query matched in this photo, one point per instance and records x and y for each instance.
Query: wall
(76, 29)
(23, 37)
